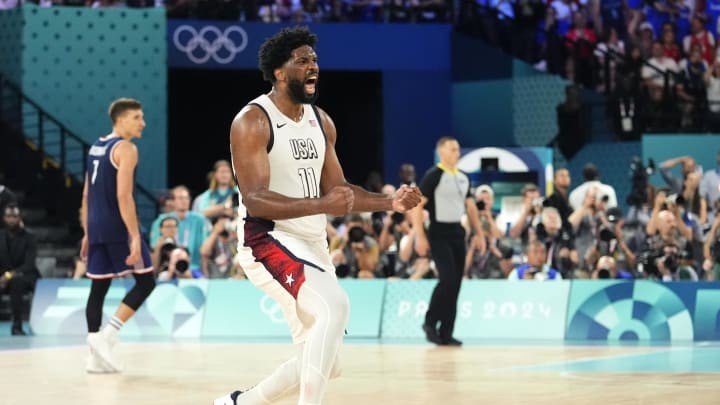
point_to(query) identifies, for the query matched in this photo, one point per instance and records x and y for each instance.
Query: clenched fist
(406, 198)
(339, 201)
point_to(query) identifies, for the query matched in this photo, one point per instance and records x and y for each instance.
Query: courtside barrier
(487, 309)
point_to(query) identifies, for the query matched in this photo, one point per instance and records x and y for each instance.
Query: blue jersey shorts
(107, 260)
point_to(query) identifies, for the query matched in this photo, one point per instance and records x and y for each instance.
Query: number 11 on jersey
(309, 182)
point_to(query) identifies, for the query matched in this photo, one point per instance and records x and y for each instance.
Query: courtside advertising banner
(486, 309)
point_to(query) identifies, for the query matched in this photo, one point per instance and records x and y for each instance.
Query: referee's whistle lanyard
(444, 168)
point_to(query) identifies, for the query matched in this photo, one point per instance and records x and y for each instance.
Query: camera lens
(356, 234)
(603, 273)
(182, 266)
(397, 218)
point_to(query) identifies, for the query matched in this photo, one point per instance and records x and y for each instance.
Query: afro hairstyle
(276, 50)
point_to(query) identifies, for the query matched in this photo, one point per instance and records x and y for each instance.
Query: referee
(447, 198)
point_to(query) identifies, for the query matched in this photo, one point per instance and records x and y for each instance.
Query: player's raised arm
(249, 137)
(332, 176)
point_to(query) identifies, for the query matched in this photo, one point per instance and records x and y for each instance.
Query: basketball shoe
(95, 365)
(102, 348)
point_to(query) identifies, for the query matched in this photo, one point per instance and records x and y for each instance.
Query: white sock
(116, 323)
(113, 327)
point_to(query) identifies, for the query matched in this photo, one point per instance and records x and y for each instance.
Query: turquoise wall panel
(11, 44)
(534, 101)
(482, 113)
(77, 60)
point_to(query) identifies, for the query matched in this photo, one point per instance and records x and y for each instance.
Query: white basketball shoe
(102, 348)
(95, 365)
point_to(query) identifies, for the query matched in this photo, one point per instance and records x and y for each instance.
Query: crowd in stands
(667, 233)
(300, 11)
(656, 60)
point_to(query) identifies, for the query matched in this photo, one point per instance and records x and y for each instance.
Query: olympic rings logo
(272, 309)
(211, 41)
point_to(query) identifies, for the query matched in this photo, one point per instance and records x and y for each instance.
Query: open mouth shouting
(310, 83)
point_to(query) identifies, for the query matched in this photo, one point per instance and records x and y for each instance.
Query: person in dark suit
(7, 197)
(18, 273)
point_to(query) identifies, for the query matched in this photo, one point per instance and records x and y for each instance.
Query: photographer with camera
(193, 228)
(667, 202)
(484, 201)
(606, 269)
(536, 267)
(530, 215)
(710, 189)
(665, 254)
(711, 252)
(688, 165)
(177, 266)
(559, 243)
(611, 243)
(587, 221)
(355, 253)
(166, 242)
(485, 263)
(219, 249)
(406, 263)
(591, 175)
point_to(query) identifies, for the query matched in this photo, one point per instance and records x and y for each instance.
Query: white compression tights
(323, 304)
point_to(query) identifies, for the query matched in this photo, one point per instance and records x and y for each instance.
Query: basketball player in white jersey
(283, 152)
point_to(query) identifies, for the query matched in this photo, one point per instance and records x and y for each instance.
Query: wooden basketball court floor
(50, 370)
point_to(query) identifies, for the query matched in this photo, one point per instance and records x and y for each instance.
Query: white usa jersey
(296, 152)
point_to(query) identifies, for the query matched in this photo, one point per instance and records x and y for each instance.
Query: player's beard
(296, 90)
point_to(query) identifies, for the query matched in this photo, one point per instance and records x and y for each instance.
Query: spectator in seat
(676, 184)
(18, 273)
(591, 175)
(536, 267)
(712, 83)
(669, 42)
(178, 266)
(193, 228)
(166, 242)
(559, 242)
(659, 74)
(7, 197)
(610, 52)
(559, 198)
(530, 215)
(354, 252)
(581, 44)
(691, 89)
(710, 189)
(700, 36)
(219, 249)
(217, 200)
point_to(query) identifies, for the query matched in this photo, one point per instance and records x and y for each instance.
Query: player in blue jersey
(112, 243)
